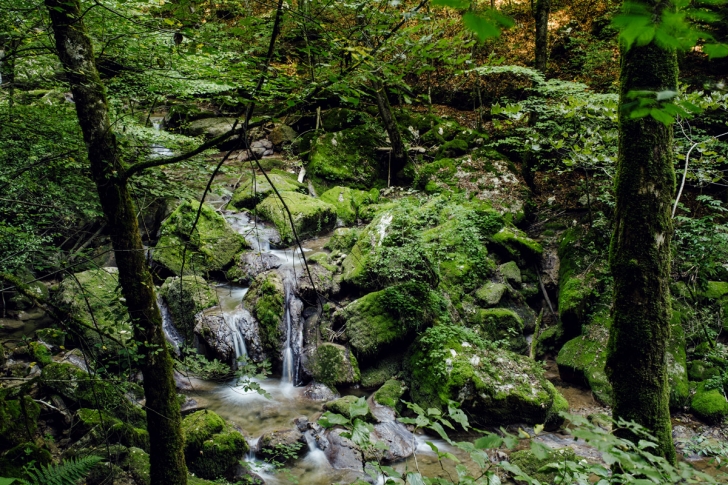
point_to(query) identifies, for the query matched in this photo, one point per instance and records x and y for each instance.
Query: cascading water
(288, 357)
(172, 335)
(235, 317)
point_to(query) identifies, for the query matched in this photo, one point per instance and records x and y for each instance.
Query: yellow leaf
(523, 434)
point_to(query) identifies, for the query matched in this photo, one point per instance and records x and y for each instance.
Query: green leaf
(458, 415)
(329, 420)
(662, 117)
(358, 408)
(483, 28)
(540, 450)
(716, 50)
(489, 442)
(361, 432)
(415, 479)
(456, 4)
(6, 481)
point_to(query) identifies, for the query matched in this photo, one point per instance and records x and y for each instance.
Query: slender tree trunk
(7, 71)
(640, 250)
(163, 414)
(399, 154)
(543, 9)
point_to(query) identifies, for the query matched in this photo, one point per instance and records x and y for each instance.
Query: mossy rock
(511, 273)
(442, 171)
(700, 371)
(346, 157)
(101, 426)
(337, 119)
(212, 447)
(254, 189)
(40, 353)
(494, 386)
(513, 242)
(576, 286)
(18, 419)
(185, 297)
(52, 336)
(709, 405)
(334, 364)
(311, 216)
(94, 299)
(76, 386)
(490, 294)
(452, 149)
(283, 445)
(501, 324)
(211, 247)
(343, 406)
(265, 300)
(348, 202)
(389, 394)
(322, 259)
(716, 290)
(343, 239)
(137, 464)
(381, 371)
(444, 132)
(527, 461)
(550, 341)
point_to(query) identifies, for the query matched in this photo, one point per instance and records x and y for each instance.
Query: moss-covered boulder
(490, 294)
(576, 284)
(443, 132)
(514, 243)
(283, 445)
(389, 394)
(346, 157)
(93, 299)
(310, 216)
(343, 406)
(370, 325)
(101, 426)
(18, 419)
(265, 300)
(381, 371)
(709, 404)
(210, 248)
(343, 239)
(494, 386)
(212, 447)
(337, 119)
(55, 337)
(254, 189)
(348, 202)
(80, 390)
(334, 364)
(185, 297)
(511, 273)
(501, 324)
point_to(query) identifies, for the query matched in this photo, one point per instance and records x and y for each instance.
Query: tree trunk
(163, 413)
(543, 8)
(398, 154)
(640, 251)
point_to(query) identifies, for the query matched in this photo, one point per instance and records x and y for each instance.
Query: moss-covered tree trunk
(398, 154)
(640, 250)
(543, 9)
(163, 412)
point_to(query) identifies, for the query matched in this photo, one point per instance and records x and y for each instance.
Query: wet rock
(189, 406)
(341, 452)
(242, 474)
(400, 442)
(254, 189)
(215, 336)
(490, 293)
(182, 382)
(209, 127)
(282, 445)
(253, 263)
(343, 406)
(310, 216)
(212, 447)
(389, 394)
(324, 282)
(185, 297)
(317, 391)
(334, 364)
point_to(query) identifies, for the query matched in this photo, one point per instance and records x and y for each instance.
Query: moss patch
(346, 157)
(102, 426)
(501, 324)
(526, 460)
(516, 244)
(389, 394)
(343, 239)
(212, 447)
(310, 216)
(334, 364)
(710, 405)
(348, 202)
(381, 371)
(18, 420)
(265, 300)
(186, 297)
(211, 247)
(253, 189)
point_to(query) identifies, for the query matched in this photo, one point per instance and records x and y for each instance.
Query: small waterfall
(234, 323)
(171, 334)
(315, 454)
(288, 357)
(157, 149)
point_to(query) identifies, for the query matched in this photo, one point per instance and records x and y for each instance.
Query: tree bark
(543, 9)
(640, 250)
(399, 154)
(163, 412)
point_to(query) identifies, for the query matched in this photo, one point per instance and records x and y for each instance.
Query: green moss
(700, 371)
(501, 324)
(560, 405)
(40, 353)
(348, 202)
(13, 461)
(526, 460)
(715, 290)
(583, 358)
(443, 132)
(510, 272)
(382, 371)
(101, 426)
(369, 324)
(490, 293)
(211, 247)
(266, 301)
(211, 446)
(550, 341)
(343, 239)
(515, 243)
(136, 463)
(337, 119)
(310, 216)
(442, 170)
(710, 404)
(677, 374)
(342, 406)
(346, 157)
(453, 148)
(253, 189)
(52, 336)
(334, 364)
(389, 394)
(322, 259)
(575, 297)
(185, 298)
(94, 299)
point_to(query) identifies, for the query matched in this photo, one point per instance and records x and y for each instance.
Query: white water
(235, 316)
(171, 334)
(159, 151)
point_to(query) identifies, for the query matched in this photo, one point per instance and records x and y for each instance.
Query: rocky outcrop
(253, 189)
(334, 365)
(212, 447)
(185, 297)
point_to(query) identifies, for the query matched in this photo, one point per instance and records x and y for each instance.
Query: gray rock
(209, 127)
(511, 273)
(316, 391)
(342, 453)
(215, 337)
(253, 263)
(282, 134)
(490, 294)
(270, 445)
(400, 442)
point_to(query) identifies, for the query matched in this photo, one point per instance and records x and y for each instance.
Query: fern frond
(67, 473)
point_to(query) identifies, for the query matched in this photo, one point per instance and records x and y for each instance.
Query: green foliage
(68, 472)
(199, 366)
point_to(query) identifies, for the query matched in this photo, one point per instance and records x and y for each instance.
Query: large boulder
(370, 326)
(310, 216)
(254, 189)
(185, 297)
(209, 127)
(94, 301)
(210, 248)
(283, 445)
(709, 404)
(346, 157)
(212, 447)
(215, 337)
(98, 427)
(348, 201)
(514, 243)
(266, 302)
(333, 365)
(494, 386)
(501, 324)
